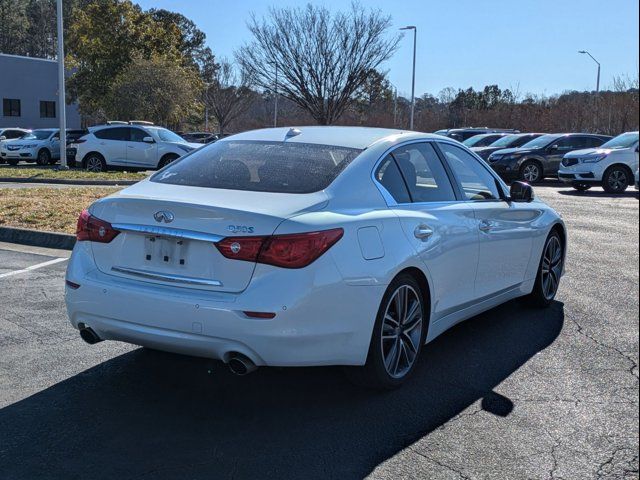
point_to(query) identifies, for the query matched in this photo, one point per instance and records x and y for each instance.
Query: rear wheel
(531, 172)
(549, 272)
(615, 180)
(44, 157)
(398, 336)
(95, 163)
(581, 187)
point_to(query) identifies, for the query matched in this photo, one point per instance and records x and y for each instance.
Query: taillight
(288, 251)
(93, 229)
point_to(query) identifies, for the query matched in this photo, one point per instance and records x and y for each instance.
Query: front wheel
(44, 157)
(549, 272)
(615, 180)
(166, 160)
(398, 336)
(530, 172)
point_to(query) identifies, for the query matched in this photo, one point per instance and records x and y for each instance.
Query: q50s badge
(240, 229)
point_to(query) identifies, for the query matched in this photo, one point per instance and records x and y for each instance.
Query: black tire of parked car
(94, 162)
(531, 172)
(44, 157)
(374, 373)
(616, 179)
(167, 159)
(13, 162)
(537, 298)
(581, 187)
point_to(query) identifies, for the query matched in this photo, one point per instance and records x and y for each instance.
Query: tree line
(127, 63)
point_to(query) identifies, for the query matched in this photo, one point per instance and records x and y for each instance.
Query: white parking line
(33, 267)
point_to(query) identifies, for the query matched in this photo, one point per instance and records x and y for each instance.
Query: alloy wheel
(401, 331)
(551, 267)
(617, 180)
(94, 164)
(531, 173)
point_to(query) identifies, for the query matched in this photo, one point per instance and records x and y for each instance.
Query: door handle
(486, 226)
(423, 232)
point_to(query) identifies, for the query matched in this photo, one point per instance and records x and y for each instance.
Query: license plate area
(162, 251)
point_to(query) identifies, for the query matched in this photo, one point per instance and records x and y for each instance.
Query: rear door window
(283, 167)
(118, 133)
(424, 174)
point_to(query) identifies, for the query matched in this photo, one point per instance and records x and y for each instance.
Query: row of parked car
(579, 159)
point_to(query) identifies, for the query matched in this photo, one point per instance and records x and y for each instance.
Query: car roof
(349, 137)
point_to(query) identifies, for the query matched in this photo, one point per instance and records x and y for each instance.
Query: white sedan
(311, 246)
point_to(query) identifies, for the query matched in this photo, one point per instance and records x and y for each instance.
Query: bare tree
(322, 60)
(228, 96)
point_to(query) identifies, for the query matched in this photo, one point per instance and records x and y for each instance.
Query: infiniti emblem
(163, 216)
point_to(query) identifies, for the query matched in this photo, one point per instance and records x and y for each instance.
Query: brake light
(288, 251)
(93, 229)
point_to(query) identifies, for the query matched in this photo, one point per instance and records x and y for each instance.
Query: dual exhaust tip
(238, 363)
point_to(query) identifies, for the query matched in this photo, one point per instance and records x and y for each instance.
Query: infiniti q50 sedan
(311, 246)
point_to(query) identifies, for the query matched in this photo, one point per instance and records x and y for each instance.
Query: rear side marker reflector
(287, 251)
(72, 285)
(266, 315)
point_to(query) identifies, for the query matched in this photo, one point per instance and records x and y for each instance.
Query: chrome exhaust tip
(240, 364)
(88, 335)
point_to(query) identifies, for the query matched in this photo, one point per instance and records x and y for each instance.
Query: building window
(11, 107)
(47, 109)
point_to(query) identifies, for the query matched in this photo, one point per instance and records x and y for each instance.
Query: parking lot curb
(37, 238)
(59, 181)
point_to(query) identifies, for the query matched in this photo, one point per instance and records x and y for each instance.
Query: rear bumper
(325, 322)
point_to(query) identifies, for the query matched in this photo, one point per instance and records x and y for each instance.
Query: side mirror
(148, 140)
(521, 192)
(4, 138)
(553, 148)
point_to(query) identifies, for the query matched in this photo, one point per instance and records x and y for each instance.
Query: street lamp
(61, 97)
(597, 85)
(413, 78)
(598, 63)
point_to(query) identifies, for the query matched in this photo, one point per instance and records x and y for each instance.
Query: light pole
(275, 107)
(61, 97)
(597, 83)
(413, 78)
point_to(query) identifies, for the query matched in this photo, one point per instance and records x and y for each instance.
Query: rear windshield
(259, 166)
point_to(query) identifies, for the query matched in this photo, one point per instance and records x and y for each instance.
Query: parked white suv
(611, 165)
(128, 146)
(41, 146)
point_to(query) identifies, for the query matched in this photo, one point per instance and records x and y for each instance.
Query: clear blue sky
(530, 45)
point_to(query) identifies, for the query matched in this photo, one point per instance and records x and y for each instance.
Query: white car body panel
(324, 312)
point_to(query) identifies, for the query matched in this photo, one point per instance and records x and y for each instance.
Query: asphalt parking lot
(512, 393)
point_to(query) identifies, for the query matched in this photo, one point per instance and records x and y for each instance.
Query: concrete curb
(60, 181)
(37, 238)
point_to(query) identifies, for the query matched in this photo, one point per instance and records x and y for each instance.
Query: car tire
(531, 172)
(94, 162)
(581, 187)
(616, 179)
(44, 157)
(167, 159)
(549, 272)
(13, 163)
(395, 347)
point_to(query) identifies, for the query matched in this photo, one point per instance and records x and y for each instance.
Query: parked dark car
(514, 140)
(483, 140)
(461, 134)
(199, 137)
(541, 157)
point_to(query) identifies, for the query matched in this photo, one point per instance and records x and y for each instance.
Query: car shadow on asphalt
(599, 194)
(156, 415)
